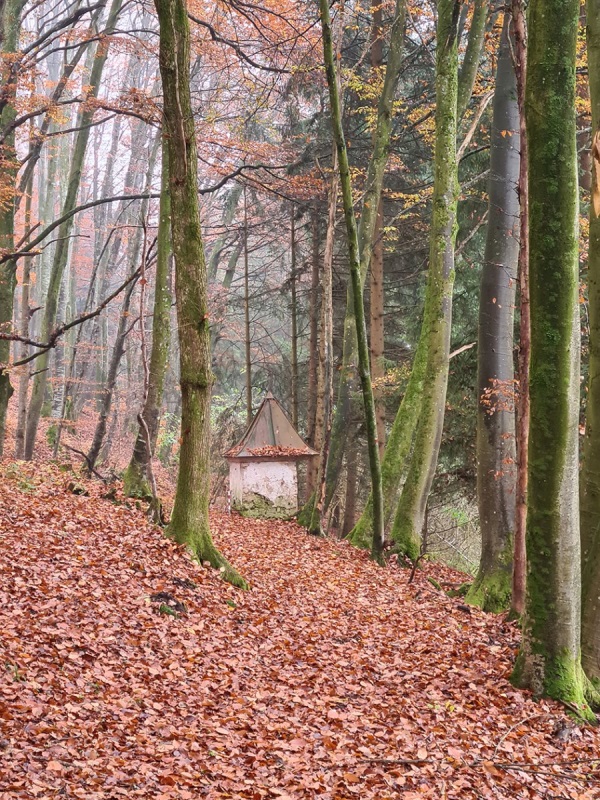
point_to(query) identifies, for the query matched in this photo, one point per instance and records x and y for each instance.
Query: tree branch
(58, 332)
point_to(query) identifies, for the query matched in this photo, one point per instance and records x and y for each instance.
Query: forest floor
(331, 678)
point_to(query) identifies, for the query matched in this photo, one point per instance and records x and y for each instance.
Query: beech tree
(590, 481)
(135, 477)
(356, 281)
(433, 352)
(549, 659)
(189, 521)
(496, 452)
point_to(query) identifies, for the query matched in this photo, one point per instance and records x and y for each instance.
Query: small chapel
(263, 465)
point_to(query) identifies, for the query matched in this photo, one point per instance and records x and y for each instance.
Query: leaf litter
(331, 678)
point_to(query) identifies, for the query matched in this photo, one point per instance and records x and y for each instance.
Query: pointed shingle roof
(270, 435)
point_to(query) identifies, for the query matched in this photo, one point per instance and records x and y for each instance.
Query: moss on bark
(435, 331)
(491, 590)
(189, 522)
(549, 662)
(10, 27)
(136, 481)
(590, 475)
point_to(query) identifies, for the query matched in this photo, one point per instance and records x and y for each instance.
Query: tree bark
(24, 331)
(376, 296)
(136, 478)
(311, 469)
(496, 453)
(189, 522)
(356, 280)
(470, 64)
(549, 660)
(437, 320)
(366, 232)
(111, 379)
(10, 27)
(294, 315)
(61, 254)
(590, 475)
(324, 405)
(523, 411)
(247, 331)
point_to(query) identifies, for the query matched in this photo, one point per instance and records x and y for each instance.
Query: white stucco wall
(235, 483)
(264, 488)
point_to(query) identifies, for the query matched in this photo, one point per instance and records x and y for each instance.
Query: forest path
(332, 678)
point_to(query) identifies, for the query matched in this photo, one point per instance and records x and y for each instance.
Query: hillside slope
(331, 678)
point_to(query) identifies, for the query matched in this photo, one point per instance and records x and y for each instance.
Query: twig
(58, 332)
(90, 466)
(514, 727)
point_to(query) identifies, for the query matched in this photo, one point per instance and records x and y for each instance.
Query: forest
(299, 399)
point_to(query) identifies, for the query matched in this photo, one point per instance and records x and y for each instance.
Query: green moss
(557, 676)
(491, 592)
(492, 588)
(462, 590)
(306, 512)
(362, 533)
(135, 483)
(405, 542)
(202, 549)
(257, 506)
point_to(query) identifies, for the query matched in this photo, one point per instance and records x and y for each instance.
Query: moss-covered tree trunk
(313, 315)
(356, 279)
(135, 478)
(437, 320)
(549, 659)
(61, 254)
(366, 233)
(324, 404)
(590, 475)
(24, 313)
(10, 27)
(189, 522)
(496, 453)
(376, 293)
(519, 580)
(400, 440)
(470, 64)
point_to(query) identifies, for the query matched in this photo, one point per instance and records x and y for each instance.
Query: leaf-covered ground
(332, 678)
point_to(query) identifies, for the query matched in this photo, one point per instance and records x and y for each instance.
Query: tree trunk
(470, 64)
(376, 299)
(356, 279)
(61, 254)
(135, 478)
(523, 412)
(549, 659)
(376, 309)
(189, 522)
(311, 469)
(324, 406)
(496, 454)
(247, 331)
(366, 233)
(111, 379)
(437, 320)
(351, 479)
(24, 331)
(294, 315)
(590, 475)
(10, 27)
(401, 436)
